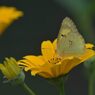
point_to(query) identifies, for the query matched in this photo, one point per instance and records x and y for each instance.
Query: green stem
(27, 89)
(91, 85)
(61, 89)
(60, 86)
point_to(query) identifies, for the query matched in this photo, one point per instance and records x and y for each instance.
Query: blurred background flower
(7, 16)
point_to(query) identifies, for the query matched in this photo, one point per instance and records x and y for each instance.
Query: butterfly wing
(69, 41)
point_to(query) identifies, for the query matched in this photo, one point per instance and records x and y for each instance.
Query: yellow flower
(7, 16)
(49, 64)
(10, 68)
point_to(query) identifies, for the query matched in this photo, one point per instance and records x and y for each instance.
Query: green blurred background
(41, 21)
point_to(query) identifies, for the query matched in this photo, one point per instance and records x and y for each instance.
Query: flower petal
(64, 67)
(88, 54)
(89, 46)
(44, 71)
(71, 64)
(47, 50)
(46, 74)
(55, 44)
(32, 61)
(5, 71)
(34, 72)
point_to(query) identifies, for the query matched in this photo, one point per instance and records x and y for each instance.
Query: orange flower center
(54, 60)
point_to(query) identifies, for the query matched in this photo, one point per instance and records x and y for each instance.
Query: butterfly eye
(63, 35)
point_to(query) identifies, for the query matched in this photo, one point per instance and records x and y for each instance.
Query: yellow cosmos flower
(7, 16)
(10, 68)
(49, 64)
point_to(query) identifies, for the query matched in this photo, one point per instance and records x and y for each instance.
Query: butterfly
(69, 41)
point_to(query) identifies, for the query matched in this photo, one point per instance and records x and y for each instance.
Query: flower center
(54, 60)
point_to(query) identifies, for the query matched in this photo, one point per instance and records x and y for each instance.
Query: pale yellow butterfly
(69, 42)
